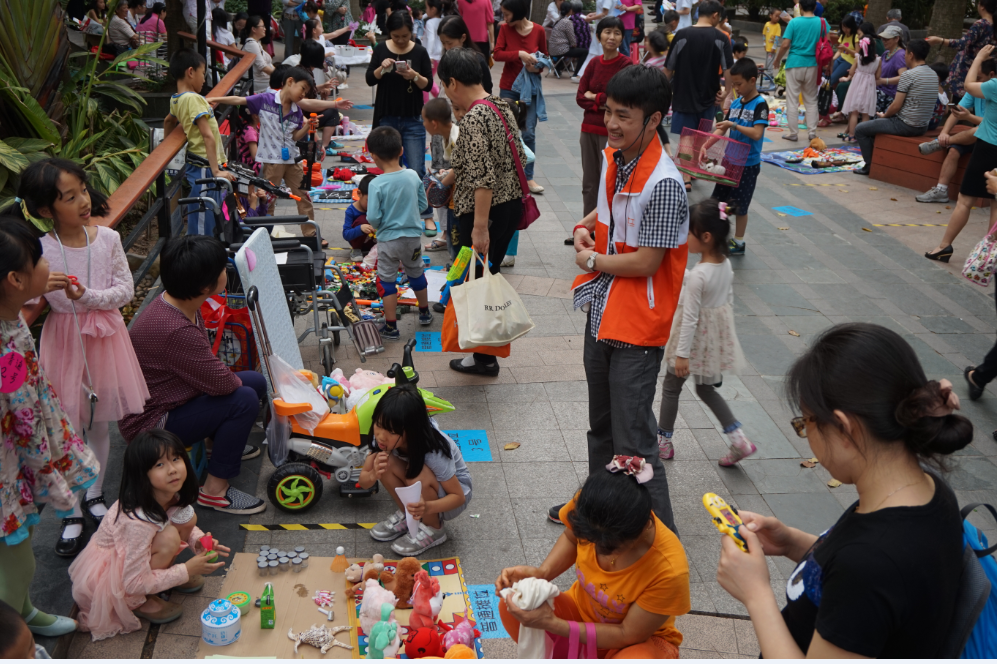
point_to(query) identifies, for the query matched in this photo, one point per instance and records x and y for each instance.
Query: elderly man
(893, 18)
(908, 115)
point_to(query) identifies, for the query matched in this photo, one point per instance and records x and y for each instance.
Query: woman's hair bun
(926, 432)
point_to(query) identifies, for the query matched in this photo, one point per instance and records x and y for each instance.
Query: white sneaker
(356, 255)
(930, 147)
(740, 447)
(391, 528)
(509, 261)
(576, 79)
(934, 195)
(427, 538)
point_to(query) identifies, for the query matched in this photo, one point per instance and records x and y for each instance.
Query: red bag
(217, 314)
(568, 648)
(824, 53)
(448, 337)
(530, 210)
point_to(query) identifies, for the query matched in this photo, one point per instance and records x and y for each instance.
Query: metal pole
(202, 31)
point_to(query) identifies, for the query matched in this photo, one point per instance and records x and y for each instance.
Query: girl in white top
(702, 343)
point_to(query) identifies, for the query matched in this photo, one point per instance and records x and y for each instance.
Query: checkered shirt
(667, 208)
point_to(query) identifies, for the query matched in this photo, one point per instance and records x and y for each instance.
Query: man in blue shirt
(969, 111)
(746, 120)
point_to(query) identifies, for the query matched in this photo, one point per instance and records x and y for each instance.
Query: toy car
(340, 443)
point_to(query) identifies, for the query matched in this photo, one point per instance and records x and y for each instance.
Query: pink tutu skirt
(117, 376)
(99, 591)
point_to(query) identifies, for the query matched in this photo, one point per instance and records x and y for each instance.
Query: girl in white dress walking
(702, 343)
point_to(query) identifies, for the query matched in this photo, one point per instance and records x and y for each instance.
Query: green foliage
(85, 129)
(236, 6)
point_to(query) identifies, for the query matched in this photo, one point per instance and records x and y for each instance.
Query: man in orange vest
(632, 283)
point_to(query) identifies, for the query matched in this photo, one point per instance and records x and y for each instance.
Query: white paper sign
(410, 494)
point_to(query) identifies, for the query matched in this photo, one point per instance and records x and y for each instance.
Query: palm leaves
(76, 125)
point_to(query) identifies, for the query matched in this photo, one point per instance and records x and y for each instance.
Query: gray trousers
(671, 388)
(621, 383)
(865, 133)
(592, 146)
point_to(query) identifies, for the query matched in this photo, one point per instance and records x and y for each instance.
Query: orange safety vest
(639, 310)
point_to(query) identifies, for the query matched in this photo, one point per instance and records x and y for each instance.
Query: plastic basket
(724, 152)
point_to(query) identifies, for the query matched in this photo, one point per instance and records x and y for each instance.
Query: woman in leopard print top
(488, 196)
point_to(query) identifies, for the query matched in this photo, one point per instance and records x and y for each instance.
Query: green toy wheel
(294, 487)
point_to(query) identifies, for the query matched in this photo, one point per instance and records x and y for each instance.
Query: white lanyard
(91, 394)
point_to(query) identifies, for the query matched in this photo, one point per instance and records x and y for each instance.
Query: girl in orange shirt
(633, 576)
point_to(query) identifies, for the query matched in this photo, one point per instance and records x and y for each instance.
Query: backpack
(824, 52)
(973, 632)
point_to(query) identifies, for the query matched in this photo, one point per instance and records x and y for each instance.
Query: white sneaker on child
(740, 447)
(665, 448)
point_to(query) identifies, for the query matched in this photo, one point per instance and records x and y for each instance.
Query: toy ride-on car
(340, 443)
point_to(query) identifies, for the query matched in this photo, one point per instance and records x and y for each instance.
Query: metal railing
(152, 171)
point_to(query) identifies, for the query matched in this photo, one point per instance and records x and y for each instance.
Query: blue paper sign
(484, 603)
(473, 443)
(428, 342)
(793, 211)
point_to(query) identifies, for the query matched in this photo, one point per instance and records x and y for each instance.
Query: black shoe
(68, 547)
(861, 171)
(570, 242)
(439, 308)
(250, 452)
(554, 514)
(480, 369)
(975, 391)
(944, 255)
(87, 504)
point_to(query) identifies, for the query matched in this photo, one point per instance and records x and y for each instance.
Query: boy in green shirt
(191, 111)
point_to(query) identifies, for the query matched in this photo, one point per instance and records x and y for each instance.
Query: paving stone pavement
(800, 276)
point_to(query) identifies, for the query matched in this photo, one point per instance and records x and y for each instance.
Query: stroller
(340, 443)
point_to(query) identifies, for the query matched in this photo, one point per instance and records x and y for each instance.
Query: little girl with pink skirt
(84, 342)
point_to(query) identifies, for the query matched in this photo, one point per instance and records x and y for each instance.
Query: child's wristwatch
(590, 263)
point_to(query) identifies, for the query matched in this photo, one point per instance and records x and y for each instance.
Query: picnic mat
(850, 152)
(296, 611)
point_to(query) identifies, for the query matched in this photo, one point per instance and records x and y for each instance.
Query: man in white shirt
(684, 10)
(553, 13)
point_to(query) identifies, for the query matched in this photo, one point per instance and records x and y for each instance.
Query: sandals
(688, 190)
(849, 139)
(87, 504)
(436, 245)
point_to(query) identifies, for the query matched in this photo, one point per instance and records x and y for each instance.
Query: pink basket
(722, 162)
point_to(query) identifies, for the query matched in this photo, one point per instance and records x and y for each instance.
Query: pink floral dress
(112, 576)
(42, 460)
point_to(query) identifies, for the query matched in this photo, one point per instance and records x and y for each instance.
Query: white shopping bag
(488, 310)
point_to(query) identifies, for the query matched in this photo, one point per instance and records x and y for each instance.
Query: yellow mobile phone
(724, 517)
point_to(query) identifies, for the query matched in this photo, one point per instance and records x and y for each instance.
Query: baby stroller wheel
(294, 487)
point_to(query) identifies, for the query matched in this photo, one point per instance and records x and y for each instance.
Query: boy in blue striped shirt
(746, 120)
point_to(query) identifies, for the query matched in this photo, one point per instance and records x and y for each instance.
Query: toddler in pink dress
(131, 556)
(94, 256)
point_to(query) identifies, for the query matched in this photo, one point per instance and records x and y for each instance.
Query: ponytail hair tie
(864, 46)
(723, 211)
(44, 225)
(635, 466)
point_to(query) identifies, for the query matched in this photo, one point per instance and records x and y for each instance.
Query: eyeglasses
(800, 424)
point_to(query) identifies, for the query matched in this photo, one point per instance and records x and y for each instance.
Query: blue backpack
(973, 634)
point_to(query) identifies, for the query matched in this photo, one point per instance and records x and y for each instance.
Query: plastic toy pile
(360, 278)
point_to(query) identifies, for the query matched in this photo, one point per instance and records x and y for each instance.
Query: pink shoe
(740, 447)
(665, 448)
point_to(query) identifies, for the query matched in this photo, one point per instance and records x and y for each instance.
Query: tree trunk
(876, 11)
(538, 12)
(174, 24)
(946, 21)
